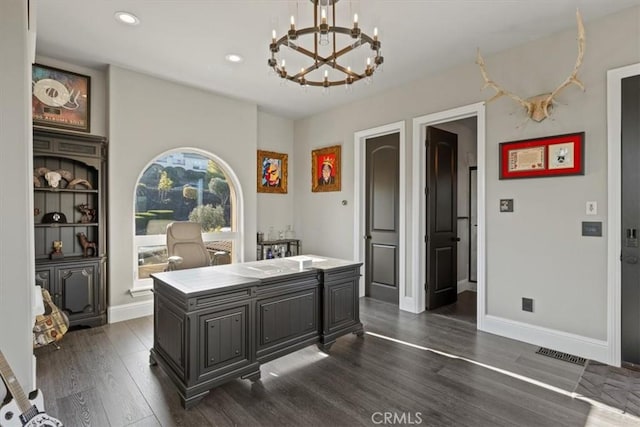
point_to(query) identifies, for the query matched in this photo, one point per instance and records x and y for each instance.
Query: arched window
(186, 185)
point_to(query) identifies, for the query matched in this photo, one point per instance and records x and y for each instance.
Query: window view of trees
(182, 186)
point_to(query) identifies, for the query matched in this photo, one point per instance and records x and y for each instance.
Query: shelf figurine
(87, 245)
(88, 214)
(57, 250)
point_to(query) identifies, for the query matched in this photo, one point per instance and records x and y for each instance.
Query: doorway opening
(467, 214)
(451, 219)
(620, 244)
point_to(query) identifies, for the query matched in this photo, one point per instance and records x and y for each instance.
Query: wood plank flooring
(101, 377)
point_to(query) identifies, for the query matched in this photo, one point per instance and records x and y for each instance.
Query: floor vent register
(562, 356)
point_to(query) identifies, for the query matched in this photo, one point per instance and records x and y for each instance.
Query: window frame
(237, 216)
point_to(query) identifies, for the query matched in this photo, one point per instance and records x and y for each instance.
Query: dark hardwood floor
(464, 309)
(420, 369)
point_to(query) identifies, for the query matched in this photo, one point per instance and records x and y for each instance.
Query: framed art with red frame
(541, 157)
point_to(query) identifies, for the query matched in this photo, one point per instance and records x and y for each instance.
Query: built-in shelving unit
(77, 279)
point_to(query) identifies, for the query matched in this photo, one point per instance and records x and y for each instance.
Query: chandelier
(325, 35)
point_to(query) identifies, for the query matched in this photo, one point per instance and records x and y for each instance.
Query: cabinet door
(286, 317)
(224, 339)
(43, 279)
(76, 291)
(341, 305)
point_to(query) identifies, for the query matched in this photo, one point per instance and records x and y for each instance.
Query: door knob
(367, 237)
(455, 239)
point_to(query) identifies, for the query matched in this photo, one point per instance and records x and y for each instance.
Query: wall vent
(562, 356)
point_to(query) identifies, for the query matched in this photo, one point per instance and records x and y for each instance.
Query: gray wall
(16, 199)
(149, 116)
(537, 251)
(275, 209)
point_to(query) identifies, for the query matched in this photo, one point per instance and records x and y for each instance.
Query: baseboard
(120, 313)
(465, 285)
(576, 345)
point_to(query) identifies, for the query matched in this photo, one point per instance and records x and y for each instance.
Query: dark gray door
(382, 199)
(473, 224)
(442, 218)
(630, 220)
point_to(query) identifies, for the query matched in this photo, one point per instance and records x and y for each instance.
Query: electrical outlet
(527, 304)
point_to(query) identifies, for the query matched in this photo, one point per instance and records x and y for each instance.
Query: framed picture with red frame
(541, 157)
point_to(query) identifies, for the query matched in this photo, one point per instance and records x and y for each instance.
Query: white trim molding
(120, 313)
(406, 297)
(418, 200)
(614, 206)
(550, 338)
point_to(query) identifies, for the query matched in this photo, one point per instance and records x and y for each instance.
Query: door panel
(382, 182)
(473, 224)
(630, 220)
(442, 212)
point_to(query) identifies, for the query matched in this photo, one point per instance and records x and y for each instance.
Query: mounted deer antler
(539, 107)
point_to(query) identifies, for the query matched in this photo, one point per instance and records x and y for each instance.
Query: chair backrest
(184, 239)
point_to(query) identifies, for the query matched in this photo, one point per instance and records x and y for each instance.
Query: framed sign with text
(540, 157)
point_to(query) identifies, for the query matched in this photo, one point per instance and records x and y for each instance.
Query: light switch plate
(592, 228)
(506, 205)
(592, 208)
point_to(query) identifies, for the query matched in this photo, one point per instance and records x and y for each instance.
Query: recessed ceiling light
(232, 57)
(127, 18)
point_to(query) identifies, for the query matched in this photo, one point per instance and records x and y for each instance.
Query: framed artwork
(60, 99)
(540, 157)
(326, 169)
(272, 172)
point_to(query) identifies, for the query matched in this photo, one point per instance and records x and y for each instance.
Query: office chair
(185, 247)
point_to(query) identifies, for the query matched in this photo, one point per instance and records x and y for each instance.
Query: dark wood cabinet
(76, 280)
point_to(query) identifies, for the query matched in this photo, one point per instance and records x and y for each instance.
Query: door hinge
(426, 286)
(426, 238)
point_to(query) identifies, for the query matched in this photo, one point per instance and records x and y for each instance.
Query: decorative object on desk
(87, 245)
(57, 250)
(539, 107)
(88, 214)
(549, 156)
(79, 181)
(326, 169)
(60, 98)
(54, 218)
(272, 172)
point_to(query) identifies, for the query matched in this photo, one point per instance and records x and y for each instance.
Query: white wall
(275, 209)
(16, 197)
(149, 116)
(537, 251)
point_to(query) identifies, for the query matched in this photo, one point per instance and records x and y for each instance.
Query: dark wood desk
(215, 324)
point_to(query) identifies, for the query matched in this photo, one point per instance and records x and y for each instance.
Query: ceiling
(187, 40)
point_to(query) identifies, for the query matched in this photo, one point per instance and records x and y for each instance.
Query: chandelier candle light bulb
(327, 46)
